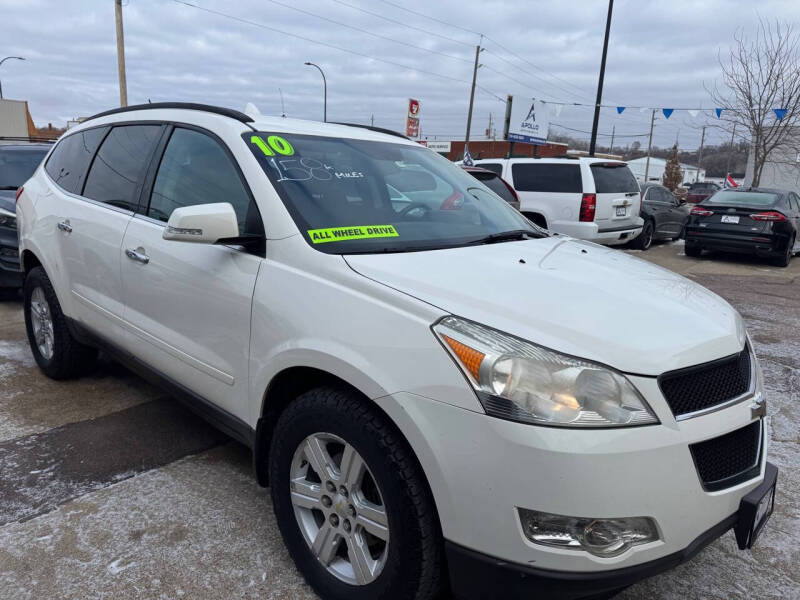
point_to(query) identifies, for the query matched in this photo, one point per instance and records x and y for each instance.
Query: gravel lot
(112, 490)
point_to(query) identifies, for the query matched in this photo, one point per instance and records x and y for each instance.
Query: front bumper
(481, 469)
(475, 576)
(10, 274)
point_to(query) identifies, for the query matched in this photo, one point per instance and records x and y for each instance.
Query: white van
(588, 198)
(439, 394)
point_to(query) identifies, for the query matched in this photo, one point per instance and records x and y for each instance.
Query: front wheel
(351, 501)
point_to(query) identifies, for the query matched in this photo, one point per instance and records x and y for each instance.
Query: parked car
(17, 164)
(701, 190)
(759, 221)
(495, 183)
(588, 198)
(664, 216)
(450, 395)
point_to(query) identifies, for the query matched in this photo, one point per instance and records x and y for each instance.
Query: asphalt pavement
(111, 489)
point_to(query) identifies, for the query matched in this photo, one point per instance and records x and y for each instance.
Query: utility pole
(123, 85)
(700, 155)
(649, 146)
(593, 142)
(478, 51)
(728, 165)
(613, 131)
(372, 120)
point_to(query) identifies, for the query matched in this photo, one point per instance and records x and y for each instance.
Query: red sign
(412, 119)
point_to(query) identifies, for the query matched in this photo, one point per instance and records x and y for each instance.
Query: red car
(495, 183)
(701, 190)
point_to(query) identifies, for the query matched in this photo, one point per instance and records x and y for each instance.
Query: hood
(571, 296)
(7, 199)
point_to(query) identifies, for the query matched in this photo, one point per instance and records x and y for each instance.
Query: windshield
(17, 166)
(353, 196)
(729, 198)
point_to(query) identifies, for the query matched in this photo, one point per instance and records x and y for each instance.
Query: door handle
(137, 255)
(65, 226)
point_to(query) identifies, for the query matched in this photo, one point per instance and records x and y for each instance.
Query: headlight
(519, 381)
(8, 219)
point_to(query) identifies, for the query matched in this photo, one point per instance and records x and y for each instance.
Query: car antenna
(283, 109)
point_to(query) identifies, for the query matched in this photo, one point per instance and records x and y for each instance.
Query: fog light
(601, 537)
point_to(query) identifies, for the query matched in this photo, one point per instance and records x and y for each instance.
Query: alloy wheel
(42, 322)
(339, 508)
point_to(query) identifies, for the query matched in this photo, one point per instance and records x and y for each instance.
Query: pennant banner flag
(780, 113)
(557, 108)
(620, 109)
(694, 113)
(643, 108)
(467, 159)
(718, 111)
(667, 112)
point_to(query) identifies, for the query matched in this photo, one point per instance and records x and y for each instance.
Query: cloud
(660, 54)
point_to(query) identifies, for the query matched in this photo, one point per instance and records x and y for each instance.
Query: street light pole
(324, 91)
(1, 64)
(123, 83)
(593, 141)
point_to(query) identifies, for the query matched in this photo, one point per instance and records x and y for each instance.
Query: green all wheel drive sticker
(359, 232)
(274, 144)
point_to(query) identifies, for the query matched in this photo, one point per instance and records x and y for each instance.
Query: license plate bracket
(621, 210)
(755, 509)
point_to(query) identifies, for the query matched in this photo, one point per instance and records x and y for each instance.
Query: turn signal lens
(699, 211)
(469, 357)
(772, 215)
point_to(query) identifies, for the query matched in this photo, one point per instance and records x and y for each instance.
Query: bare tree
(759, 75)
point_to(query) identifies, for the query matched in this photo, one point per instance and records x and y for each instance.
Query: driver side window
(196, 170)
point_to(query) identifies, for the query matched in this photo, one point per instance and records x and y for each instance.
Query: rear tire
(786, 258)
(693, 251)
(58, 354)
(404, 561)
(645, 239)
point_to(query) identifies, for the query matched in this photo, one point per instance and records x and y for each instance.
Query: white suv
(432, 392)
(588, 198)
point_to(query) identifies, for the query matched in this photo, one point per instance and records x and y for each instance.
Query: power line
(380, 16)
(328, 45)
(619, 135)
(440, 21)
(373, 34)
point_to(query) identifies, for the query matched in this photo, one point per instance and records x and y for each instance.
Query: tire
(645, 239)
(337, 420)
(693, 251)
(786, 258)
(58, 354)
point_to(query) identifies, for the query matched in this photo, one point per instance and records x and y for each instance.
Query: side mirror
(202, 223)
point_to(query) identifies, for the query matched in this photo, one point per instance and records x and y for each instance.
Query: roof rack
(376, 129)
(218, 110)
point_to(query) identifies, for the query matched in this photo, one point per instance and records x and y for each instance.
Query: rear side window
(71, 157)
(493, 167)
(117, 170)
(496, 185)
(546, 178)
(195, 169)
(610, 179)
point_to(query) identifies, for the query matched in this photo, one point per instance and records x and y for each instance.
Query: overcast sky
(660, 54)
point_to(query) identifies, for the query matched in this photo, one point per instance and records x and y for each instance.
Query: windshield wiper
(506, 236)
